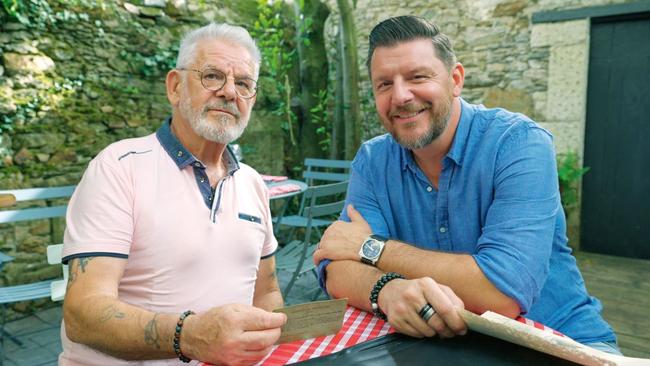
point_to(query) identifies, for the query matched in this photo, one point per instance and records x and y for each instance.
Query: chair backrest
(323, 170)
(57, 288)
(54, 256)
(321, 201)
(4, 259)
(324, 200)
(33, 194)
(326, 170)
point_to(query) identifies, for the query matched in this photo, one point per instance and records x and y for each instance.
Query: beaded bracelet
(374, 294)
(177, 336)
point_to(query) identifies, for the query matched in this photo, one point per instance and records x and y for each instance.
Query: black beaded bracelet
(374, 294)
(177, 336)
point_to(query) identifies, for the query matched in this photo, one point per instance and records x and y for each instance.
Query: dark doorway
(615, 216)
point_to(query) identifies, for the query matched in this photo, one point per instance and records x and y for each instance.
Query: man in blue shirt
(469, 197)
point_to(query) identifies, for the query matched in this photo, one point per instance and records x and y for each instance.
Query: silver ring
(427, 312)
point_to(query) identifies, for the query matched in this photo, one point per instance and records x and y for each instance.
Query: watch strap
(379, 237)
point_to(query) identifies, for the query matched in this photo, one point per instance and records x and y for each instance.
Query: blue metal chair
(322, 202)
(36, 290)
(316, 172)
(31, 194)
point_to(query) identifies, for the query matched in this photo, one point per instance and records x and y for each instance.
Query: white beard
(218, 131)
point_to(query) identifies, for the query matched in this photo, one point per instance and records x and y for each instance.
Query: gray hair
(219, 31)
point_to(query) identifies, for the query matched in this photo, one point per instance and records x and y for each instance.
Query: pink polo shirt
(142, 201)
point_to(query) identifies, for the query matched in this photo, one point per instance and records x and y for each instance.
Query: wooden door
(615, 216)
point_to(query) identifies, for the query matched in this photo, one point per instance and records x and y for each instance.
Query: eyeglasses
(214, 80)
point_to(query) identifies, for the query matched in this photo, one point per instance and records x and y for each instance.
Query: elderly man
(469, 197)
(169, 239)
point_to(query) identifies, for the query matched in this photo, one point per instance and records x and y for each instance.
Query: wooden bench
(41, 289)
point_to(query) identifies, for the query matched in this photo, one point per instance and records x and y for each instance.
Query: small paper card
(312, 319)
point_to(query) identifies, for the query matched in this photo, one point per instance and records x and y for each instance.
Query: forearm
(353, 280)
(119, 329)
(267, 294)
(458, 271)
(270, 300)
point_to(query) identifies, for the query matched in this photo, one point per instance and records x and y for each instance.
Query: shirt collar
(459, 144)
(457, 150)
(181, 156)
(407, 157)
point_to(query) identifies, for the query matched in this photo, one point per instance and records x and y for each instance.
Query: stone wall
(509, 62)
(80, 77)
(537, 69)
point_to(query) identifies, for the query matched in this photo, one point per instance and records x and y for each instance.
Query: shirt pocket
(250, 218)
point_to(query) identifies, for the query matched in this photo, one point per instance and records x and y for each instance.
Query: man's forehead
(414, 54)
(217, 53)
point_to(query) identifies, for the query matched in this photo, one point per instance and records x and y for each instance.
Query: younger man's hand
(342, 240)
(401, 300)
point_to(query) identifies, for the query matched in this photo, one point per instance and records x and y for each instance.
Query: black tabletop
(471, 349)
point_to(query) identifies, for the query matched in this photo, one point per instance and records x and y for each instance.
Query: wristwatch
(371, 249)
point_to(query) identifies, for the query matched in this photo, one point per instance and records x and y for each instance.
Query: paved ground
(42, 343)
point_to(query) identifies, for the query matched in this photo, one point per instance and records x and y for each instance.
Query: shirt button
(209, 198)
(429, 189)
(179, 153)
(202, 179)
(197, 164)
(443, 229)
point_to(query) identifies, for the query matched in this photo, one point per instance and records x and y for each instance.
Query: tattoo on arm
(111, 312)
(83, 262)
(151, 336)
(74, 266)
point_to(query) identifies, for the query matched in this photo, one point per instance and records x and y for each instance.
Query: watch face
(371, 248)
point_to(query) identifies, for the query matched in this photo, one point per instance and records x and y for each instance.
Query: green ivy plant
(277, 61)
(569, 174)
(38, 14)
(27, 109)
(24, 11)
(321, 116)
(154, 65)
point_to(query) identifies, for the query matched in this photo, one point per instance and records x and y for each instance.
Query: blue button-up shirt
(497, 200)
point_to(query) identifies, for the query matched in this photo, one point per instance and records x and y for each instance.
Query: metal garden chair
(321, 202)
(40, 289)
(316, 172)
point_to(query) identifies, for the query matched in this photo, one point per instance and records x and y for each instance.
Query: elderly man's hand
(342, 240)
(401, 301)
(231, 334)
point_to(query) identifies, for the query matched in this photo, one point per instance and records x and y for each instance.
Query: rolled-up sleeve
(514, 248)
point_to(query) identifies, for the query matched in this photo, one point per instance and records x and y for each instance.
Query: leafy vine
(277, 61)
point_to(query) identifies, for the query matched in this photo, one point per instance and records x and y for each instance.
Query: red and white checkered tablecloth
(273, 178)
(358, 326)
(282, 189)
